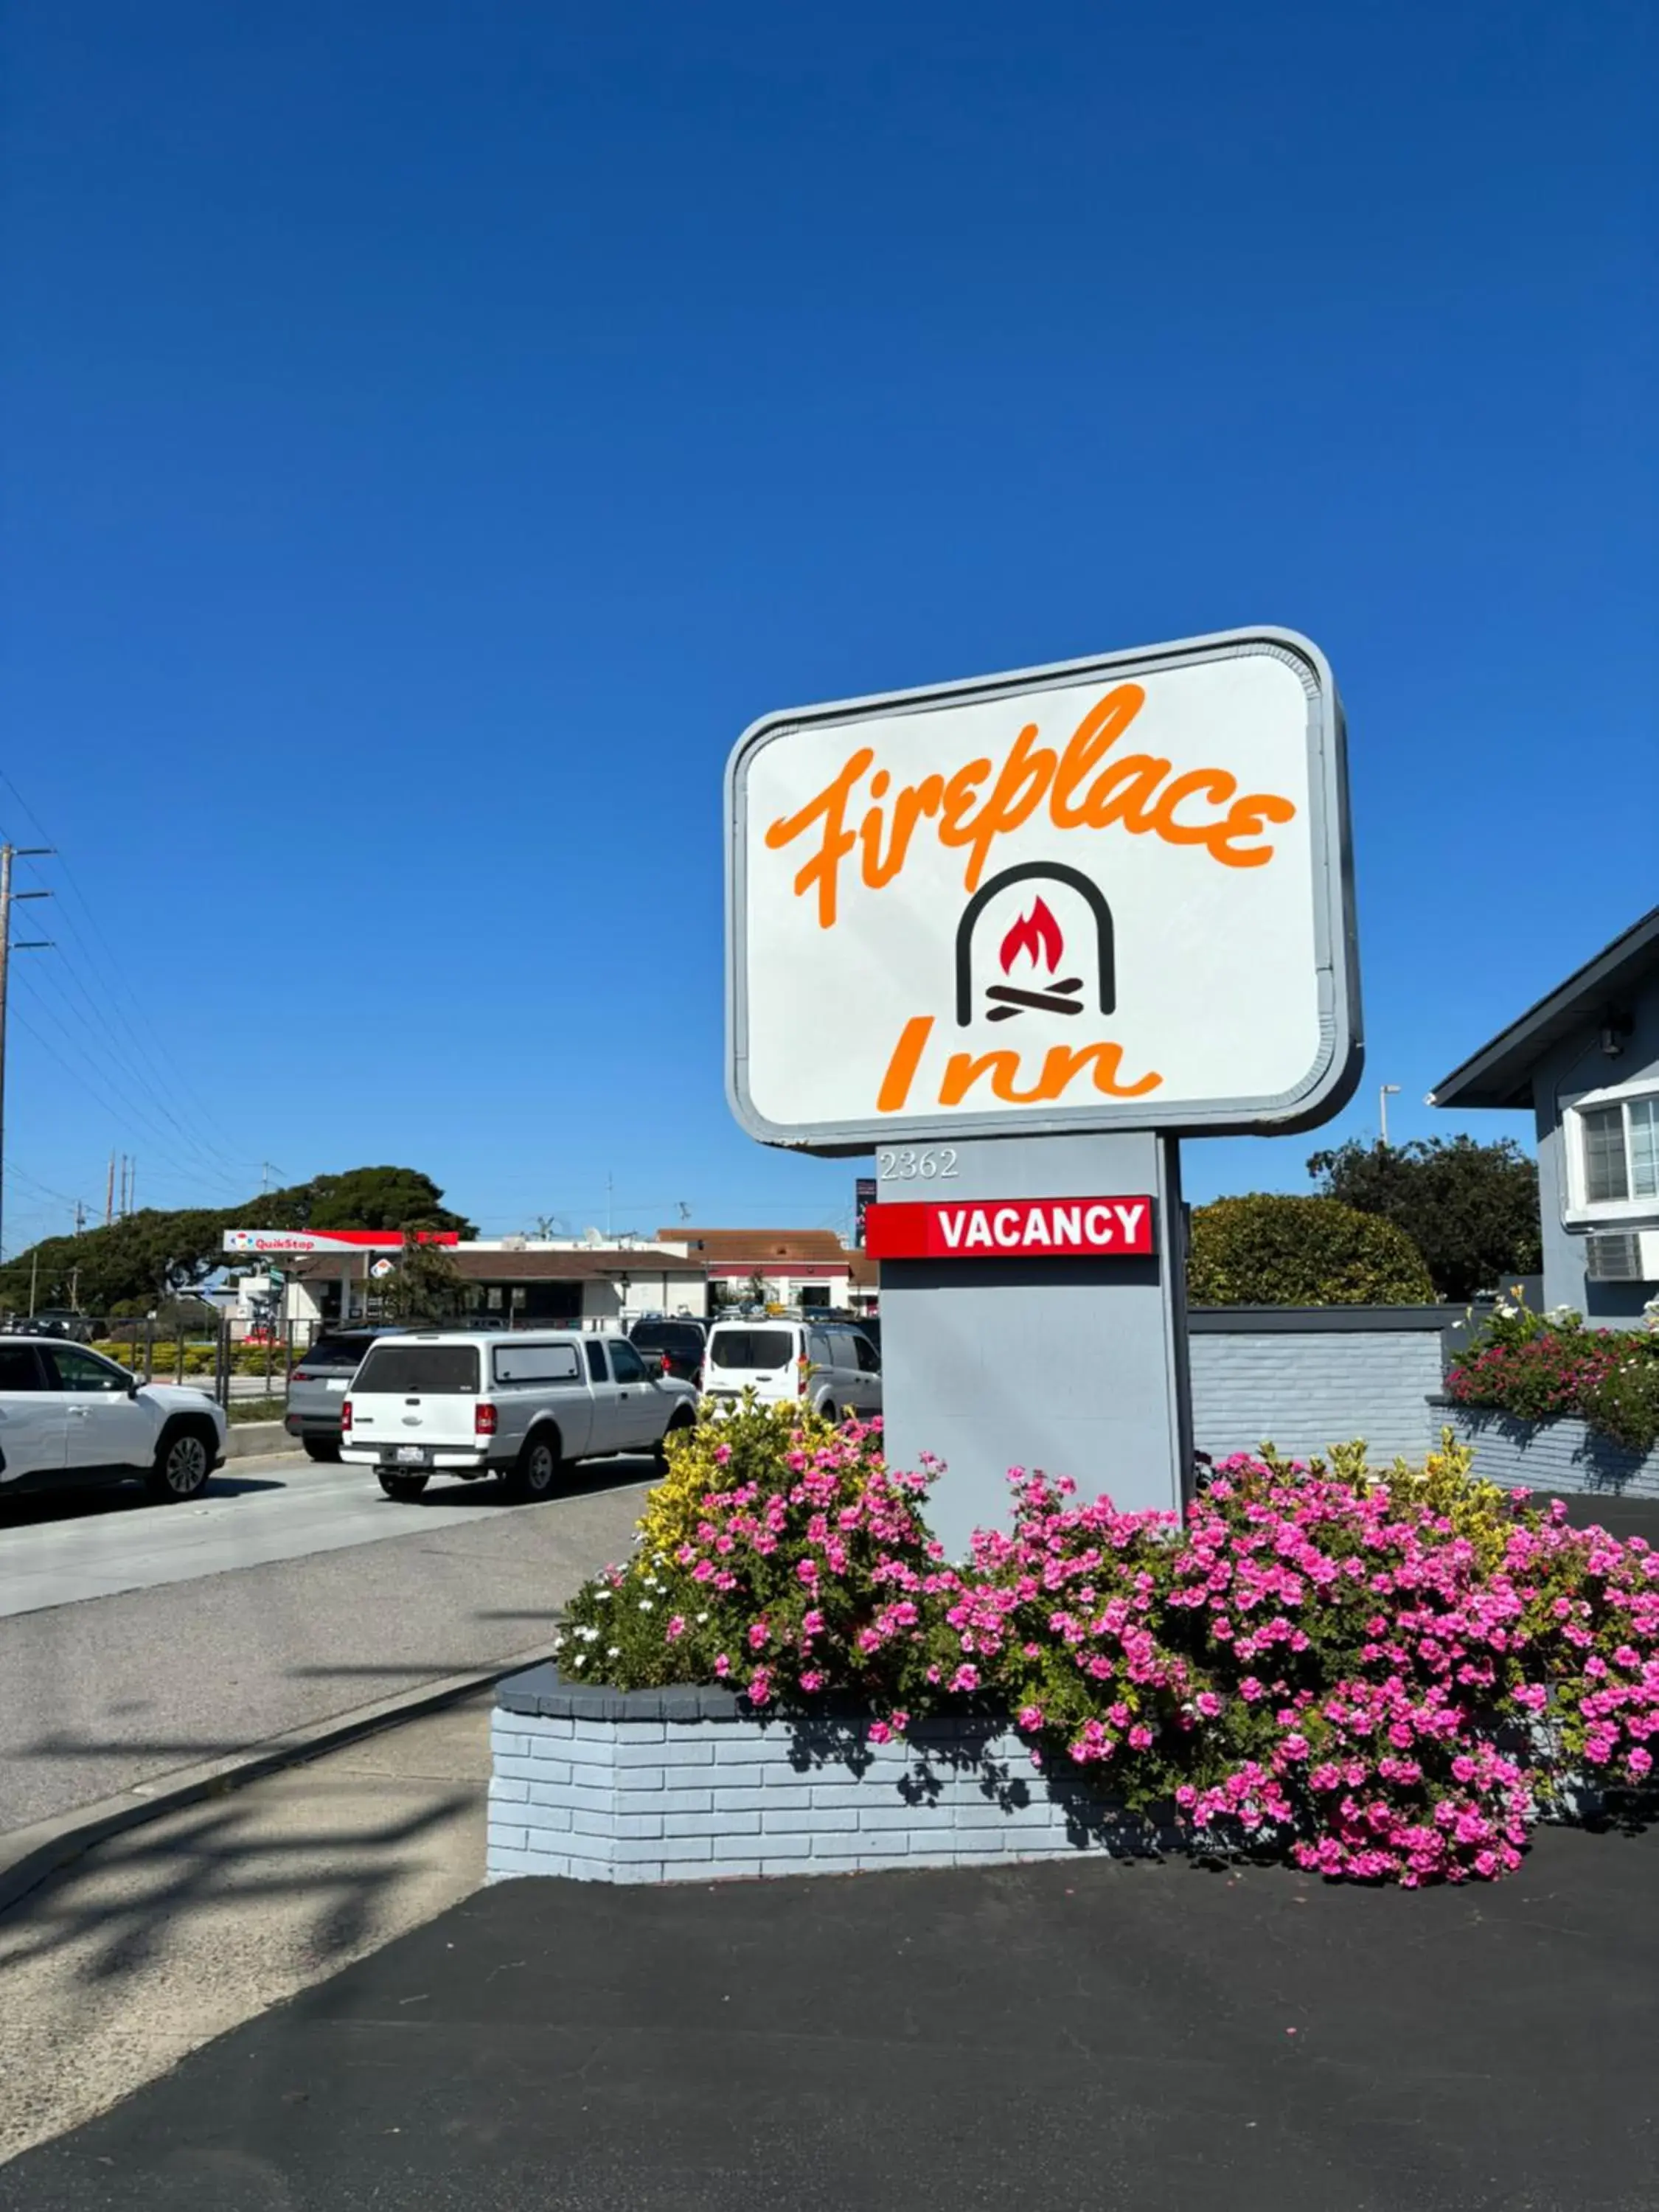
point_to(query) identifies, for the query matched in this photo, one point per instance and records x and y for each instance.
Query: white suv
(69, 1416)
(472, 1403)
(831, 1365)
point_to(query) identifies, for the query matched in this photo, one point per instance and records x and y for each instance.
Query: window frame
(1580, 1210)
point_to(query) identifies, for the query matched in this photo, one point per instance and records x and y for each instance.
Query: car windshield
(434, 1369)
(754, 1350)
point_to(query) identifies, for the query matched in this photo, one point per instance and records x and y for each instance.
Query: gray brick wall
(1304, 1391)
(1562, 1454)
(722, 1795)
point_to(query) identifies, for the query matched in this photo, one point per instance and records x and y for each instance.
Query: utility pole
(7, 854)
(132, 1184)
(80, 1216)
(109, 1194)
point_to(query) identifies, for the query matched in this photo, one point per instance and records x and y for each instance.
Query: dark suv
(317, 1387)
(682, 1346)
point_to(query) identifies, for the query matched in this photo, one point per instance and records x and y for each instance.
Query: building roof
(1500, 1074)
(760, 1247)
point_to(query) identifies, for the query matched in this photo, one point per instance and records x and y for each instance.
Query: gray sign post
(1016, 936)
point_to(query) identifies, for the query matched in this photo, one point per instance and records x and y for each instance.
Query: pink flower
(676, 1628)
(722, 1666)
(965, 1678)
(1031, 1718)
(759, 1635)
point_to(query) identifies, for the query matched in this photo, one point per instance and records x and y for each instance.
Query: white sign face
(1112, 895)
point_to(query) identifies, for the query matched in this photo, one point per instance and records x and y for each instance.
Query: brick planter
(690, 1785)
(1564, 1454)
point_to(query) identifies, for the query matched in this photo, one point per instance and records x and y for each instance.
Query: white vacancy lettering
(978, 1228)
(1007, 1225)
(1130, 1217)
(1037, 1227)
(1097, 1224)
(950, 1226)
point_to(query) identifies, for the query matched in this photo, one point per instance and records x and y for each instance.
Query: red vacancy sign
(978, 1228)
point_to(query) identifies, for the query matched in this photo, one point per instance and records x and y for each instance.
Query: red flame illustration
(1037, 934)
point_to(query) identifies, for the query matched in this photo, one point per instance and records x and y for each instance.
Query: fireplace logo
(1030, 968)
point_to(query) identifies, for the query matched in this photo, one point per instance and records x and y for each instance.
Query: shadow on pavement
(123, 1905)
(27, 1512)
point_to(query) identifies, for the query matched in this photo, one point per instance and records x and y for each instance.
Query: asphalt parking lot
(1063, 2037)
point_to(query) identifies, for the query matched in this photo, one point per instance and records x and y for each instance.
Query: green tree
(1269, 1250)
(150, 1256)
(1471, 1209)
(424, 1283)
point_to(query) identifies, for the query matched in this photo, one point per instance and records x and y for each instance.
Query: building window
(1619, 1152)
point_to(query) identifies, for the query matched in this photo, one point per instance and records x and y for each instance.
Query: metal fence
(207, 1355)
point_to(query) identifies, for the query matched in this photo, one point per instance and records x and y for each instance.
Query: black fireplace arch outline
(1056, 871)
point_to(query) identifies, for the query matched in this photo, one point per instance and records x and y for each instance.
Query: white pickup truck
(471, 1402)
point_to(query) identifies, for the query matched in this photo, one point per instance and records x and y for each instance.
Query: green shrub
(1269, 1250)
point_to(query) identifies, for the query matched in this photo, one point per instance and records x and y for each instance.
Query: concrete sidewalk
(1071, 2038)
(166, 1936)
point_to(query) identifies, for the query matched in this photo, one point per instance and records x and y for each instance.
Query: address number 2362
(906, 1163)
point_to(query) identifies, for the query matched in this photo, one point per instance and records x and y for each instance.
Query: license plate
(412, 1455)
(344, 1383)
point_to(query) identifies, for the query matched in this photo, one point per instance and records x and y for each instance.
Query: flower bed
(1345, 1669)
(1539, 1367)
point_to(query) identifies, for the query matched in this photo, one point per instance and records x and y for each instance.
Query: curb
(259, 1440)
(29, 1856)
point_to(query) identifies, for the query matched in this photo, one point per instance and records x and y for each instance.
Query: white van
(830, 1365)
(455, 1402)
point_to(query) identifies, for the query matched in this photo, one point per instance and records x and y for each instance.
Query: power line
(201, 1143)
(189, 1175)
(120, 1067)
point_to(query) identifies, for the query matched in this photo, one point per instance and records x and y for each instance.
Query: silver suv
(317, 1386)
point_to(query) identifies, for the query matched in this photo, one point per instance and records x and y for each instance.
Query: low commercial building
(521, 1282)
(1585, 1061)
(801, 1268)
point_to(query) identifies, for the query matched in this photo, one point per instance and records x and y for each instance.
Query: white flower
(702, 1617)
(615, 1652)
(581, 1659)
(600, 1596)
(646, 1604)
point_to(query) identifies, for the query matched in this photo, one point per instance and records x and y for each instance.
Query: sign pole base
(1076, 1365)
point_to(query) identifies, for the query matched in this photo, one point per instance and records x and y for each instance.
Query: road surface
(62, 1549)
(136, 1639)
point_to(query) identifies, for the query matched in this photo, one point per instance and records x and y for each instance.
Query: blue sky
(437, 431)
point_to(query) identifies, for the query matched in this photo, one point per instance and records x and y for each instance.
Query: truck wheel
(323, 1448)
(535, 1473)
(183, 1461)
(406, 1488)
